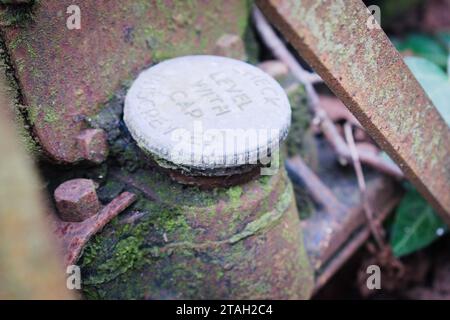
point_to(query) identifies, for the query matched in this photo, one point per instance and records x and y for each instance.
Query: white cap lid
(207, 112)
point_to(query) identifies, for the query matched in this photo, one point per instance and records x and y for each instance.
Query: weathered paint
(366, 72)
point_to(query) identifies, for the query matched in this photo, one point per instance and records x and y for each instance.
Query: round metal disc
(207, 112)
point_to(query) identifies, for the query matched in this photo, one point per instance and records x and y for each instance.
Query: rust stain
(366, 72)
(65, 75)
(73, 236)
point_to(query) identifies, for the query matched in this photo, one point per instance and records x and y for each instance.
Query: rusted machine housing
(67, 80)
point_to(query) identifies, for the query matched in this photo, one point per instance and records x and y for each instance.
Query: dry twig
(384, 255)
(374, 226)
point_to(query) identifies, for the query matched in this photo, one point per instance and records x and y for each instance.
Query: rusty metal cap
(207, 112)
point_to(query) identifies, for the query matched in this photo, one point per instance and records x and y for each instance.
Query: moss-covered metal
(241, 242)
(19, 111)
(183, 242)
(66, 74)
(300, 140)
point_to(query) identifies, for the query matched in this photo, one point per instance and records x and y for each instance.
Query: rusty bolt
(231, 46)
(76, 200)
(93, 145)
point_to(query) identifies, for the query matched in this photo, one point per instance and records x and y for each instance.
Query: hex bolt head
(210, 115)
(93, 145)
(231, 46)
(76, 200)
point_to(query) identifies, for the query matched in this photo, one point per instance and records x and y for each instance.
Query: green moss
(17, 15)
(51, 115)
(267, 219)
(235, 195)
(304, 202)
(301, 120)
(111, 189)
(20, 111)
(127, 254)
(90, 252)
(32, 113)
(129, 242)
(185, 15)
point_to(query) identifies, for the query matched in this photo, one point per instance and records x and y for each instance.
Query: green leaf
(444, 39)
(426, 47)
(416, 225)
(434, 81)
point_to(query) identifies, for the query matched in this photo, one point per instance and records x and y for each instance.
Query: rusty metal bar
(359, 63)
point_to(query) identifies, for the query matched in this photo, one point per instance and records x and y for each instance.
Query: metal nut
(93, 145)
(76, 200)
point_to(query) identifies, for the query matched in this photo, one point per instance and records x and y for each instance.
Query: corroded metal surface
(181, 242)
(76, 200)
(64, 75)
(93, 145)
(73, 236)
(243, 243)
(365, 71)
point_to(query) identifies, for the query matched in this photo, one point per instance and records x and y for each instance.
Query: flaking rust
(362, 67)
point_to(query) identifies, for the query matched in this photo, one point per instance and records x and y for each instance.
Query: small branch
(327, 126)
(373, 225)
